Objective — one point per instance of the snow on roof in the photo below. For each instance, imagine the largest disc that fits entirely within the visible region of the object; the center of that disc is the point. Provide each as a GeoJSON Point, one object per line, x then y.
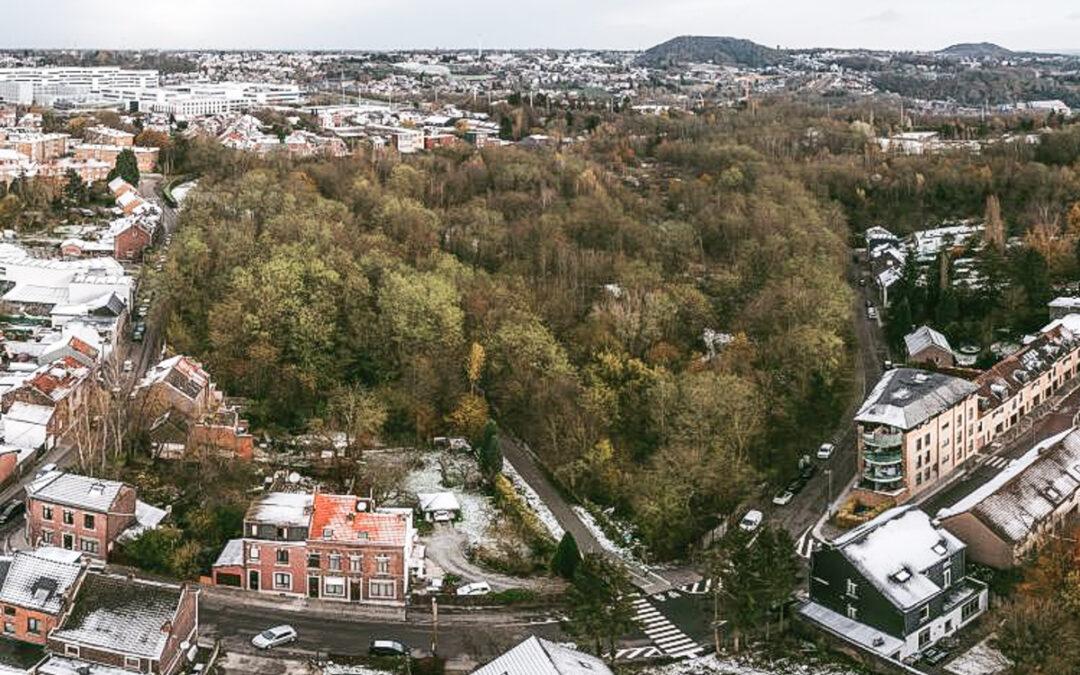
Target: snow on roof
{"type": "Point", "coordinates": [906, 397]}
{"type": "Point", "coordinates": [894, 550]}
{"type": "Point", "coordinates": [537, 656]}
{"type": "Point", "coordinates": [37, 582]}
{"type": "Point", "coordinates": [1070, 322]}
{"type": "Point", "coordinates": [71, 489]}
{"type": "Point", "coordinates": [924, 337]}
{"type": "Point", "coordinates": [889, 277]}
{"type": "Point", "coordinates": [865, 636]}
{"type": "Point", "coordinates": [438, 501]}
{"type": "Point", "coordinates": [30, 413]}
{"type": "Point", "coordinates": [147, 517]}
{"type": "Point", "coordinates": [1066, 302]}
{"type": "Point", "coordinates": [63, 665]}
{"type": "Point", "coordinates": [1017, 499]}
{"type": "Point", "coordinates": [120, 615]}
{"type": "Point", "coordinates": [285, 509]}
{"type": "Point", "coordinates": [37, 295]}
{"type": "Point", "coordinates": [232, 554]}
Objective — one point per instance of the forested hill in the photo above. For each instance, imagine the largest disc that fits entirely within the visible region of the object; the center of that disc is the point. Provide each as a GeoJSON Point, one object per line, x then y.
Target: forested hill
{"type": "Point", "coordinates": [710, 49]}
{"type": "Point", "coordinates": [976, 50]}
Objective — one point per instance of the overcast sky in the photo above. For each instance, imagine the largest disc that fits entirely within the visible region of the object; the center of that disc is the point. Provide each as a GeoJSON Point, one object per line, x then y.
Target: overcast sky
{"type": "Point", "coordinates": [629, 24]}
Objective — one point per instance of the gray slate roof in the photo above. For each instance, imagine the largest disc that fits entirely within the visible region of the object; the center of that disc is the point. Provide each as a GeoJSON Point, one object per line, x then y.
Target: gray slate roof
{"type": "Point", "coordinates": [121, 615]}
{"type": "Point", "coordinates": [70, 489]}
{"type": "Point", "coordinates": [537, 656]}
{"type": "Point", "coordinates": [925, 337]}
{"type": "Point", "coordinates": [35, 580]}
{"type": "Point", "coordinates": [906, 397]}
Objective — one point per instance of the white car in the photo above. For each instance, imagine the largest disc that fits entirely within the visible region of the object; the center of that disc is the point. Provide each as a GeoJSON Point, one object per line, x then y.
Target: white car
{"type": "Point", "coordinates": [825, 451]}
{"type": "Point", "coordinates": [475, 588]}
{"type": "Point", "coordinates": [274, 637]}
{"type": "Point", "coordinates": [783, 497]}
{"type": "Point", "coordinates": [45, 468]}
{"type": "Point", "coordinates": [751, 521]}
{"type": "Point", "coordinates": [129, 366]}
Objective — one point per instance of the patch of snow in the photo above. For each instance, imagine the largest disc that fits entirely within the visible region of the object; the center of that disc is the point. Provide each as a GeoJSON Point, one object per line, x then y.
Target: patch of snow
{"type": "Point", "coordinates": [982, 659]}
{"type": "Point", "coordinates": [601, 537]}
{"type": "Point", "coordinates": [342, 669]}
{"type": "Point", "coordinates": [747, 665]}
{"type": "Point", "coordinates": [543, 513]}
{"type": "Point", "coordinates": [477, 510]}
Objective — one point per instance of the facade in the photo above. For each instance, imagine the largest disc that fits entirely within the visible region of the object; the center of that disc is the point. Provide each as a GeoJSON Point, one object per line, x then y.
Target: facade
{"type": "Point", "coordinates": [37, 147]}
{"type": "Point", "coordinates": [1036, 496]}
{"type": "Point", "coordinates": [895, 585]}
{"type": "Point", "coordinates": [51, 398]}
{"type": "Point", "coordinates": [927, 346]}
{"type": "Point", "coordinates": [146, 158]}
{"type": "Point", "coordinates": [914, 429]}
{"type": "Point", "coordinates": [78, 513]}
{"type": "Point", "coordinates": [335, 547]}
{"type": "Point", "coordinates": [1063, 306]}
{"type": "Point", "coordinates": [128, 624]}
{"type": "Point", "coordinates": [36, 586]}
{"type": "Point", "coordinates": [101, 135]}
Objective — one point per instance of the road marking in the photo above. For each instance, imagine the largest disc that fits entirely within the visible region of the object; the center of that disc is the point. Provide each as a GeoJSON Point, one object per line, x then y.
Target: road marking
{"type": "Point", "coordinates": [668, 637]}
{"type": "Point", "coordinates": [698, 588]}
{"type": "Point", "coordinates": [632, 653]}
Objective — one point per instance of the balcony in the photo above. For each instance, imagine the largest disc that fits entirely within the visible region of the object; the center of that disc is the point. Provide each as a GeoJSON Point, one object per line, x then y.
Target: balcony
{"type": "Point", "coordinates": [882, 439]}
{"type": "Point", "coordinates": [883, 457]}
{"type": "Point", "coordinates": [883, 475]}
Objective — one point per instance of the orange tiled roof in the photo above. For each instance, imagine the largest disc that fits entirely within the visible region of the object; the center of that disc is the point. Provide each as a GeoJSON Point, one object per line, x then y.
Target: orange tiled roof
{"type": "Point", "coordinates": [335, 518]}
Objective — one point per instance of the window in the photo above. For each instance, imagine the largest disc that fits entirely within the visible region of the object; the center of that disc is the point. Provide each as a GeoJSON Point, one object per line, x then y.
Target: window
{"type": "Point", "coordinates": [254, 530]}
{"type": "Point", "coordinates": [10, 611]}
{"type": "Point", "coordinates": [356, 563]}
{"type": "Point", "coordinates": [924, 638]}
{"type": "Point", "coordinates": [88, 521]}
{"type": "Point", "coordinates": [283, 556]}
{"type": "Point", "coordinates": [969, 610]}
{"type": "Point", "coordinates": [33, 626]}
{"type": "Point", "coordinates": [924, 613]}
{"type": "Point", "coordinates": [69, 517]}
{"type": "Point", "coordinates": [382, 564]}
{"type": "Point", "coordinates": [132, 663]}
{"type": "Point", "coordinates": [46, 513]}
{"type": "Point", "coordinates": [852, 589]}
{"type": "Point", "coordinates": [335, 562]}
{"type": "Point", "coordinates": [283, 581]}
{"type": "Point", "coordinates": [253, 552]}
{"type": "Point", "coordinates": [852, 613]}
{"type": "Point", "coordinates": [334, 587]}
{"type": "Point", "coordinates": [9, 627]}
{"type": "Point", "coordinates": [46, 536]}
{"type": "Point", "coordinates": [948, 576]}
{"type": "Point", "coordinates": [71, 650]}
{"type": "Point", "coordinates": [381, 589]}
{"type": "Point", "coordinates": [314, 560]}
{"type": "Point", "coordinates": [283, 533]}
{"type": "Point", "coordinates": [88, 545]}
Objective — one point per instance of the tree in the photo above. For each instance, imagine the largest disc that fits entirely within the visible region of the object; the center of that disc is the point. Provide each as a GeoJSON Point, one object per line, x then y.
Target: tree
{"type": "Point", "coordinates": [127, 167]}
{"type": "Point", "coordinates": [599, 599]}
{"type": "Point", "coordinates": [490, 454]}
{"type": "Point", "coordinates": [74, 187]}
{"type": "Point", "coordinates": [567, 557]}
{"type": "Point", "coordinates": [994, 230]}
{"type": "Point", "coordinates": [359, 414]}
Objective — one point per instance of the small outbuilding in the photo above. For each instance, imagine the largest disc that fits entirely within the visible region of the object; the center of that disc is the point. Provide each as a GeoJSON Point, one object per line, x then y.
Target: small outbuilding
{"type": "Point", "coordinates": [439, 507]}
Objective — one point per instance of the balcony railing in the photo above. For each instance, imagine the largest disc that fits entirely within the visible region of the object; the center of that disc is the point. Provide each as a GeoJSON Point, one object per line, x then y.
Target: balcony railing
{"type": "Point", "coordinates": [883, 457]}
{"type": "Point", "coordinates": [877, 475]}
{"type": "Point", "coordinates": [881, 439]}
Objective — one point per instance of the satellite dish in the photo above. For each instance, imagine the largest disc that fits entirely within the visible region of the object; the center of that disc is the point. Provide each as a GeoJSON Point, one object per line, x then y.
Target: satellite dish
{"type": "Point", "coordinates": [294, 478]}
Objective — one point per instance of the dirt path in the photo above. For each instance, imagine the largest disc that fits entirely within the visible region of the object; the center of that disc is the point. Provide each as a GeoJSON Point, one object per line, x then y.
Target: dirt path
{"type": "Point", "coordinates": [446, 548]}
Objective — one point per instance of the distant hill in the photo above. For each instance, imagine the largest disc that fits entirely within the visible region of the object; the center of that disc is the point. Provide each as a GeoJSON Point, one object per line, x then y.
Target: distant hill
{"type": "Point", "coordinates": [710, 49]}
{"type": "Point", "coordinates": [977, 50]}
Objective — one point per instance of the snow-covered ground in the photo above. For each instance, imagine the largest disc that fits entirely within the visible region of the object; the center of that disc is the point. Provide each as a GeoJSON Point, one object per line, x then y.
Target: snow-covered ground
{"type": "Point", "coordinates": [728, 665]}
{"type": "Point", "coordinates": [477, 510]}
{"type": "Point", "coordinates": [982, 659]}
{"type": "Point", "coordinates": [547, 518]}
{"type": "Point", "coordinates": [621, 551]}
{"type": "Point", "coordinates": [341, 669]}
{"type": "Point", "coordinates": [180, 192]}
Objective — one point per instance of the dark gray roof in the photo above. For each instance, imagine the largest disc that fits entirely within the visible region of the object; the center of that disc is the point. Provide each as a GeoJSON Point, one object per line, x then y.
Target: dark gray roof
{"type": "Point", "coordinates": [906, 397]}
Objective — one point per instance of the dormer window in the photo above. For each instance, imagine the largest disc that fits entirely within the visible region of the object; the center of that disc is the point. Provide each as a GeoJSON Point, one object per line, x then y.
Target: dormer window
{"type": "Point", "coordinates": [901, 575]}
{"type": "Point", "coordinates": [852, 589]}
{"type": "Point", "coordinates": [327, 533]}
{"type": "Point", "coordinates": [940, 548]}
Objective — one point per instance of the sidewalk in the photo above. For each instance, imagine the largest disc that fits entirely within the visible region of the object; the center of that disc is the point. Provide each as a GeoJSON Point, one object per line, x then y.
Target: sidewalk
{"type": "Point", "coordinates": [224, 598]}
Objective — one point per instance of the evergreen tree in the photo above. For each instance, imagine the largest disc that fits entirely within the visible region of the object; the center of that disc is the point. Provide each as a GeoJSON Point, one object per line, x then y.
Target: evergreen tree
{"type": "Point", "coordinates": [567, 557]}
{"type": "Point", "coordinates": [600, 609]}
{"type": "Point", "coordinates": [127, 167]}
{"type": "Point", "coordinates": [490, 455]}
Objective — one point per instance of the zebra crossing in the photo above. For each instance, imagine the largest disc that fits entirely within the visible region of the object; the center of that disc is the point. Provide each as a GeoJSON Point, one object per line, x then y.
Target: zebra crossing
{"type": "Point", "coordinates": [997, 462]}
{"type": "Point", "coordinates": [697, 588]}
{"type": "Point", "coordinates": [664, 634]}
{"type": "Point", "coordinates": [632, 653]}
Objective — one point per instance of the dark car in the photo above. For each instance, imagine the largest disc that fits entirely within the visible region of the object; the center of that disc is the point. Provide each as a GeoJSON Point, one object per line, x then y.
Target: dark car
{"type": "Point", "coordinates": [388, 648]}
{"type": "Point", "coordinates": [934, 656]}
{"type": "Point", "coordinates": [11, 510]}
{"type": "Point", "coordinates": [796, 486]}
{"type": "Point", "coordinates": [807, 472]}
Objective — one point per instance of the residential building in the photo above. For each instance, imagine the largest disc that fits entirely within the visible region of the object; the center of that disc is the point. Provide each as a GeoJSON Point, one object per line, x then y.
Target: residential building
{"type": "Point", "coordinates": [38, 147]}
{"type": "Point", "coordinates": [1063, 306]}
{"type": "Point", "coordinates": [36, 586]}
{"type": "Point", "coordinates": [146, 158]}
{"type": "Point", "coordinates": [1011, 514]}
{"type": "Point", "coordinates": [79, 513]}
{"type": "Point", "coordinates": [335, 547]}
{"type": "Point", "coordinates": [927, 346]}
{"type": "Point", "coordinates": [537, 656]}
{"type": "Point", "coordinates": [51, 399]}
{"type": "Point", "coordinates": [893, 586]}
{"type": "Point", "coordinates": [126, 624]}
{"type": "Point", "coordinates": [102, 135]}
{"type": "Point", "coordinates": [914, 429]}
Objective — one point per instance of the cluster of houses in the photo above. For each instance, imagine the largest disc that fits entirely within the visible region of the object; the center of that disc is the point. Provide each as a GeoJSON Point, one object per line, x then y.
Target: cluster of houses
{"type": "Point", "coordinates": [124, 238]}
{"type": "Point", "coordinates": [241, 131]}
{"type": "Point", "coordinates": [28, 152]}
{"type": "Point", "coordinates": [887, 255]}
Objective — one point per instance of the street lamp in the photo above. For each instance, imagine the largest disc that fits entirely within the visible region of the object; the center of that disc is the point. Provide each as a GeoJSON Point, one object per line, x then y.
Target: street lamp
{"type": "Point", "coordinates": [828, 502]}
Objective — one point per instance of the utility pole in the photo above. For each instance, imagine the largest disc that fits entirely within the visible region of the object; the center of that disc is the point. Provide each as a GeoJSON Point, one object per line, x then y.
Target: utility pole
{"type": "Point", "coordinates": [434, 625]}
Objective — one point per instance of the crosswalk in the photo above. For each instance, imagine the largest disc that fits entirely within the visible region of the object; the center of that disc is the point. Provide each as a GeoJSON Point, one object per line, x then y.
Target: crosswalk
{"type": "Point", "coordinates": [697, 588]}
{"type": "Point", "coordinates": [632, 653]}
{"type": "Point", "coordinates": [806, 543]}
{"type": "Point", "coordinates": [664, 634]}
{"type": "Point", "coordinates": [998, 462]}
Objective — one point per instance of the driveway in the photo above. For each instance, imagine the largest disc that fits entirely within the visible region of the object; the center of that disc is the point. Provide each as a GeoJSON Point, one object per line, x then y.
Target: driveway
{"type": "Point", "coordinates": [446, 550]}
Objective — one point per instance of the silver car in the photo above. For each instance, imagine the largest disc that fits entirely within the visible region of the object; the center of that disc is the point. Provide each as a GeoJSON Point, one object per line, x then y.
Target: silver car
{"type": "Point", "coordinates": [274, 637]}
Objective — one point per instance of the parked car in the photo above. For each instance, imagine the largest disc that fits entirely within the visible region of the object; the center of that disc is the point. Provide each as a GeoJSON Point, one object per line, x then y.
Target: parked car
{"type": "Point", "coordinates": [871, 313]}
{"type": "Point", "coordinates": [475, 588]}
{"type": "Point", "coordinates": [825, 451]}
{"type": "Point", "coordinates": [128, 366]}
{"type": "Point", "coordinates": [11, 510]}
{"type": "Point", "coordinates": [274, 637]}
{"type": "Point", "coordinates": [45, 468]}
{"type": "Point", "coordinates": [934, 655]}
{"type": "Point", "coordinates": [807, 472]}
{"type": "Point", "coordinates": [783, 497]}
{"type": "Point", "coordinates": [388, 648]}
{"type": "Point", "coordinates": [751, 521]}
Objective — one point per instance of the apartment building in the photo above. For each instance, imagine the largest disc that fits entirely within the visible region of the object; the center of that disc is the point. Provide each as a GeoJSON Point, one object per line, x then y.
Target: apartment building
{"type": "Point", "coordinates": [102, 135]}
{"type": "Point", "coordinates": [146, 158]}
{"type": "Point", "coordinates": [914, 428]}
{"type": "Point", "coordinates": [43, 85]}
{"type": "Point", "coordinates": [79, 513]}
{"type": "Point", "coordinates": [336, 547]}
{"type": "Point", "coordinates": [37, 147]}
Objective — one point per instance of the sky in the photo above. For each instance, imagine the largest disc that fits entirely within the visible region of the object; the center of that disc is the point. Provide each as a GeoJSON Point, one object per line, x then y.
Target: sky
{"type": "Point", "coordinates": [620, 24]}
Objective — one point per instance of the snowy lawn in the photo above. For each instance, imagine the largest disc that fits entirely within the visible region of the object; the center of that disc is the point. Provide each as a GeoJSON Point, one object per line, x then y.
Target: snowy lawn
{"type": "Point", "coordinates": [477, 510]}
{"type": "Point", "coordinates": [730, 665]}
{"type": "Point", "coordinates": [623, 552]}
{"type": "Point", "coordinates": [982, 659]}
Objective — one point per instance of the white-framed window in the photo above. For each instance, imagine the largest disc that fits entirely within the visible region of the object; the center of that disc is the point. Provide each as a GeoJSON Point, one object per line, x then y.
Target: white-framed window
{"type": "Point", "coordinates": [282, 556]}
{"type": "Point", "coordinates": [254, 530]}
{"type": "Point", "coordinates": [88, 545]}
{"type": "Point", "coordinates": [382, 590]}
{"type": "Point", "coordinates": [33, 626]}
{"type": "Point", "coordinates": [88, 521]}
{"type": "Point", "coordinates": [924, 613]}
{"type": "Point", "coordinates": [46, 512]}
{"type": "Point", "coordinates": [382, 564]}
{"type": "Point", "coordinates": [852, 589]}
{"type": "Point", "coordinates": [46, 536]}
{"type": "Point", "coordinates": [852, 613]}
{"type": "Point", "coordinates": [282, 581]}
{"type": "Point", "coordinates": [335, 562]}
{"type": "Point", "coordinates": [356, 563]}
{"type": "Point", "coordinates": [948, 575]}
{"type": "Point", "coordinates": [133, 663]}
{"type": "Point", "coordinates": [253, 552]}
{"type": "Point", "coordinates": [69, 517]}
{"type": "Point", "coordinates": [333, 587]}
{"type": "Point", "coordinates": [71, 650]}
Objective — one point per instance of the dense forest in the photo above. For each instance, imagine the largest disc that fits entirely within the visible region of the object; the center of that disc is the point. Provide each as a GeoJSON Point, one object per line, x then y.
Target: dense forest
{"type": "Point", "coordinates": [660, 310]}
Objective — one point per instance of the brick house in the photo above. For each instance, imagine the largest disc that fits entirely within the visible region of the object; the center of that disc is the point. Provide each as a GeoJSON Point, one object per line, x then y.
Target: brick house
{"type": "Point", "coordinates": [79, 513]}
{"type": "Point", "coordinates": [136, 625]}
{"type": "Point", "coordinates": [927, 346]}
{"type": "Point", "coordinates": [36, 586]}
{"type": "Point", "coordinates": [51, 399]}
{"type": "Point", "coordinates": [103, 135]}
{"type": "Point", "coordinates": [131, 241]}
{"type": "Point", "coordinates": [335, 547]}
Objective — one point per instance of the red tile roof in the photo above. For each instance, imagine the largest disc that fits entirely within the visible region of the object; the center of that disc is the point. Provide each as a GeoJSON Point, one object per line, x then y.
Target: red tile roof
{"type": "Point", "coordinates": [335, 518]}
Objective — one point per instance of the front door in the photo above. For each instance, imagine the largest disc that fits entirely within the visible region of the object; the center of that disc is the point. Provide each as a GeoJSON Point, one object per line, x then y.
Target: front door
{"type": "Point", "coordinates": [313, 586]}
{"type": "Point", "coordinates": [253, 580]}
{"type": "Point", "coordinates": [356, 590]}
{"type": "Point", "coordinates": [69, 541]}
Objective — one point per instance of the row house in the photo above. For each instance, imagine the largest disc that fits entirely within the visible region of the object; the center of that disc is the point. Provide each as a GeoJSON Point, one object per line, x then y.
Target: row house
{"type": "Point", "coordinates": [1036, 497]}
{"type": "Point", "coordinates": [51, 398]}
{"type": "Point", "coordinates": [894, 586]}
{"type": "Point", "coordinates": [103, 135]}
{"type": "Point", "coordinates": [79, 513]}
{"type": "Point", "coordinates": [127, 625]}
{"type": "Point", "coordinates": [37, 147]}
{"type": "Point", "coordinates": [36, 587]}
{"type": "Point", "coordinates": [336, 547]}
